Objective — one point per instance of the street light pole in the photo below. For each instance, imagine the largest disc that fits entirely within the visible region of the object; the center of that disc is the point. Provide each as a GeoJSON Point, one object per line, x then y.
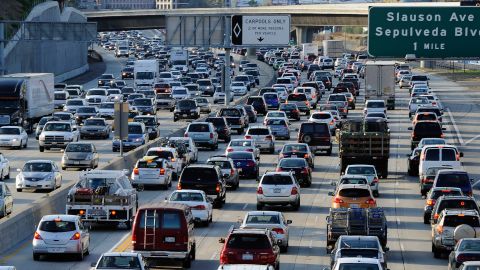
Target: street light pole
{"type": "Point", "coordinates": [226, 44]}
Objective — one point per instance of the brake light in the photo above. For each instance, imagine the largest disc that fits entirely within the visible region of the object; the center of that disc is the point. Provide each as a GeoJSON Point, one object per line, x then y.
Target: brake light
{"type": "Point", "coordinates": [442, 135]}
{"type": "Point", "coordinates": [248, 137]}
{"type": "Point", "coordinates": [229, 149]}
{"type": "Point", "coordinates": [431, 202]}
{"type": "Point", "coordinates": [458, 157]}
{"type": "Point", "coordinates": [76, 236]}
{"type": "Point", "coordinates": [305, 170]}
{"type": "Point", "coordinates": [413, 134]}
{"type": "Point", "coordinates": [134, 235]}
{"type": "Point", "coordinates": [217, 189]}
{"type": "Point", "coordinates": [375, 180]}
{"type": "Point", "coordinates": [250, 163]}
{"type": "Point", "coordinates": [179, 186]}
{"type": "Point", "coordinates": [435, 216]}
{"type": "Point", "coordinates": [278, 230]}
{"type": "Point", "coordinates": [162, 171]}
{"type": "Point", "coordinates": [249, 150]}
{"type": "Point", "coordinates": [232, 171]}
{"type": "Point", "coordinates": [172, 159]}
{"type": "Point", "coordinates": [259, 190]}
{"type": "Point", "coordinates": [331, 122]}
{"type": "Point", "coordinates": [306, 156]}
{"type": "Point", "coordinates": [279, 169]}
{"type": "Point", "coordinates": [269, 137]}
{"type": "Point", "coordinates": [370, 201]}
{"type": "Point", "coordinates": [211, 135]}
{"type": "Point", "coordinates": [135, 171]}
{"type": "Point", "coordinates": [37, 236]}
{"type": "Point", "coordinates": [186, 134]}
{"type": "Point", "coordinates": [440, 229]}
{"type": "Point", "coordinates": [338, 200]}
{"type": "Point", "coordinates": [81, 212]}
{"type": "Point", "coordinates": [294, 191]}
{"type": "Point", "coordinates": [199, 207]}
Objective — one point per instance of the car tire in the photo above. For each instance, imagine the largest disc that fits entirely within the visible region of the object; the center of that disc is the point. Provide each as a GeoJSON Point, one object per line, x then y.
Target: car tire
{"type": "Point", "coordinates": [41, 148]}
{"type": "Point", "coordinates": [272, 150]}
{"type": "Point", "coordinates": [240, 131]}
{"type": "Point", "coordinates": [329, 152]}
{"type": "Point", "coordinates": [259, 206]}
{"type": "Point", "coordinates": [187, 262]}
{"type": "Point", "coordinates": [284, 249]}
{"type": "Point", "coordinates": [375, 193]}
{"type": "Point", "coordinates": [36, 257]}
{"type": "Point", "coordinates": [296, 206]}
{"type": "Point", "coordinates": [436, 253]}
{"type": "Point", "coordinates": [19, 189]}
{"type": "Point", "coordinates": [20, 145]}
{"type": "Point", "coordinates": [80, 256]}
{"type": "Point", "coordinates": [426, 219]}
{"type": "Point", "coordinates": [228, 139]}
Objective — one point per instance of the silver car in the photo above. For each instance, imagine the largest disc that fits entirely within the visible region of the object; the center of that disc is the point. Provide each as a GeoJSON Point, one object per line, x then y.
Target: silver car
{"type": "Point", "coordinates": [60, 234]}
{"type": "Point", "coordinates": [120, 260]}
{"type": "Point", "coordinates": [203, 134]}
{"type": "Point", "coordinates": [80, 155]}
{"type": "Point", "coordinates": [263, 138]}
{"type": "Point", "coordinates": [243, 145]}
{"type": "Point", "coordinates": [278, 188]}
{"type": "Point", "coordinates": [38, 174]}
{"type": "Point", "coordinates": [272, 220]}
{"type": "Point", "coordinates": [6, 200]}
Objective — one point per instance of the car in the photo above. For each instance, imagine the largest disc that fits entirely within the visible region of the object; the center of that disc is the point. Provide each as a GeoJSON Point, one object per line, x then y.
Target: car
{"type": "Point", "coordinates": [96, 96]}
{"type": "Point", "coordinates": [258, 103]}
{"type": "Point", "coordinates": [127, 73]}
{"type": "Point", "coordinates": [186, 109]}
{"type": "Point", "coordinates": [350, 179]}
{"type": "Point", "coordinates": [375, 105]}
{"type": "Point", "coordinates": [238, 248]}
{"type": "Point", "coordinates": [152, 171]}
{"type": "Point", "coordinates": [198, 201]}
{"type": "Point", "coordinates": [278, 188]}
{"type": "Point", "coordinates": [300, 150]}
{"type": "Point", "coordinates": [272, 220]}
{"type": "Point", "coordinates": [272, 100]}
{"type": "Point", "coordinates": [165, 101]}
{"type": "Point", "coordinates": [41, 124]}
{"type": "Point", "coordinates": [202, 134]}
{"type": "Point", "coordinates": [57, 134]}
{"type": "Point", "coordinates": [263, 138]}
{"type": "Point", "coordinates": [206, 177]}
{"type": "Point", "coordinates": [203, 104]}
{"type": "Point", "coordinates": [413, 160]}
{"type": "Point", "coordinates": [466, 249]}
{"type": "Point", "coordinates": [303, 172]}
{"type": "Point", "coordinates": [291, 110]}
{"type": "Point", "coordinates": [251, 113]}
{"type": "Point", "coordinates": [425, 129]}
{"type": "Point", "coordinates": [352, 246]}
{"type": "Point", "coordinates": [317, 136]}
{"type": "Point", "coordinates": [368, 171]}
{"type": "Point", "coordinates": [353, 196]}
{"type": "Point", "coordinates": [190, 153]}
{"type": "Point", "coordinates": [443, 232]}
{"type": "Point", "coordinates": [171, 155]}
{"type": "Point", "coordinates": [452, 202]}
{"type": "Point", "coordinates": [454, 178]}
{"type": "Point", "coordinates": [469, 265]}
{"type": "Point", "coordinates": [243, 145]}
{"type": "Point", "coordinates": [324, 117]}
{"type": "Point", "coordinates": [172, 239]}
{"type": "Point", "coordinates": [221, 127]}
{"type": "Point", "coordinates": [80, 155]}
{"type": "Point", "coordinates": [63, 234]}
{"type": "Point", "coordinates": [443, 155]}
{"type": "Point", "coordinates": [6, 200]}
{"type": "Point", "coordinates": [311, 94]}
{"type": "Point", "coordinates": [342, 103]}
{"type": "Point", "coordinates": [415, 103]}
{"type": "Point", "coordinates": [106, 80]}
{"type": "Point", "coordinates": [13, 136]}
{"type": "Point", "coordinates": [360, 263]}
{"type": "Point", "coordinates": [279, 128]}
{"type": "Point", "coordinates": [433, 195]}
{"type": "Point", "coordinates": [239, 267]}
{"type": "Point", "coordinates": [137, 136]}
{"type": "Point", "coordinates": [206, 87]}
{"type": "Point", "coordinates": [120, 260]}
{"type": "Point", "coordinates": [246, 163]}
{"type": "Point", "coordinates": [230, 173]}
{"type": "Point", "coordinates": [95, 128]}
{"type": "Point", "coordinates": [152, 124]}
{"type": "Point", "coordinates": [301, 101]}
{"type": "Point", "coordinates": [85, 113]}
{"type": "Point", "coordinates": [431, 141]}
{"type": "Point", "coordinates": [275, 114]}
{"type": "Point", "coordinates": [145, 105]}
{"type": "Point", "coordinates": [179, 93]}
{"type": "Point", "coordinates": [236, 118]}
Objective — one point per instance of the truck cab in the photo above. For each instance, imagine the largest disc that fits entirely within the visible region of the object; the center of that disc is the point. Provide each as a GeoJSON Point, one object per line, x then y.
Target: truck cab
{"type": "Point", "coordinates": [57, 134]}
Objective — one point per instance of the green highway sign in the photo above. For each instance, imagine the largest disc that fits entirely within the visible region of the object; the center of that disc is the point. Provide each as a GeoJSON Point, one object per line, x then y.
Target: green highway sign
{"type": "Point", "coordinates": [426, 32]}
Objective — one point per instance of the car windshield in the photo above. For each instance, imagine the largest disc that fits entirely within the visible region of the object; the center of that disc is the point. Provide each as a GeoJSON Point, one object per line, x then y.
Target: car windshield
{"type": "Point", "coordinates": [200, 175]}
{"type": "Point", "coordinates": [60, 96]}
{"type": "Point", "coordinates": [78, 147]}
{"type": "Point", "coordinates": [204, 82]}
{"type": "Point", "coordinates": [135, 96]}
{"type": "Point", "coordinates": [295, 148]}
{"type": "Point", "coordinates": [107, 106]}
{"type": "Point", "coordinates": [297, 97]}
{"type": "Point", "coordinates": [456, 220]}
{"type": "Point", "coordinates": [277, 179]}
{"type": "Point", "coordinates": [9, 131]}
{"type": "Point", "coordinates": [230, 112]}
{"type": "Point", "coordinates": [354, 192]}
{"type": "Point", "coordinates": [164, 96]}
{"type": "Point", "coordinates": [358, 243]}
{"type": "Point", "coordinates": [358, 266]}
{"type": "Point", "coordinates": [94, 122]}
{"type": "Point", "coordinates": [57, 226]}
{"type": "Point", "coordinates": [238, 84]}
{"type": "Point", "coordinates": [198, 128]}
{"type": "Point", "coordinates": [220, 163]}
{"type": "Point", "coordinates": [367, 170]}
{"type": "Point", "coordinates": [86, 110]}
{"type": "Point", "coordinates": [202, 100]}
{"type": "Point", "coordinates": [240, 155]}
{"type": "Point", "coordinates": [97, 93]}
{"type": "Point", "coordinates": [134, 129]}
{"type": "Point", "coordinates": [57, 127]}
{"type": "Point", "coordinates": [186, 197]}
{"type": "Point", "coordinates": [118, 262]}
{"type": "Point", "coordinates": [263, 219]}
{"type": "Point", "coordinates": [248, 241]}
{"type": "Point", "coordinates": [469, 245]}
{"type": "Point", "coordinates": [114, 92]}
{"type": "Point", "coordinates": [292, 163]}
{"type": "Point", "coordinates": [142, 102]}
{"type": "Point", "coordinates": [145, 75]}
{"type": "Point", "coordinates": [74, 102]}
{"type": "Point", "coordinates": [321, 116]}
{"type": "Point", "coordinates": [37, 167]}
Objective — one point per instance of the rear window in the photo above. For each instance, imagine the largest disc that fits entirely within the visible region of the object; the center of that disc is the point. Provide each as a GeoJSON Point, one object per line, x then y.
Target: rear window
{"type": "Point", "coordinates": [201, 174]}
{"type": "Point", "coordinates": [297, 97]}
{"type": "Point", "coordinates": [375, 105]}
{"type": "Point", "coordinates": [432, 155]}
{"type": "Point", "coordinates": [354, 192]}
{"type": "Point", "coordinates": [248, 241]}
{"type": "Point", "coordinates": [428, 128]}
{"type": "Point", "coordinates": [295, 148]}
{"type": "Point", "coordinates": [419, 78]}
{"type": "Point", "coordinates": [447, 192]}
{"type": "Point", "coordinates": [238, 155]}
{"type": "Point", "coordinates": [292, 163]}
{"type": "Point", "coordinates": [361, 170]}
{"type": "Point", "coordinates": [258, 131]}
{"type": "Point", "coordinates": [277, 179]}
{"type": "Point", "coordinates": [186, 197]}
{"type": "Point", "coordinates": [459, 180]}
{"type": "Point", "coordinates": [270, 96]}
{"type": "Point", "coordinates": [314, 128]}
{"type": "Point", "coordinates": [57, 226]}
{"type": "Point", "coordinates": [276, 122]}
{"type": "Point", "coordinates": [142, 164]}
{"type": "Point", "coordinates": [198, 128]}
{"type": "Point", "coordinates": [321, 116]}
{"type": "Point", "coordinates": [449, 154]}
{"type": "Point", "coordinates": [221, 164]}
{"type": "Point", "coordinates": [455, 220]}
{"type": "Point", "coordinates": [457, 204]}
{"type": "Point", "coordinates": [352, 180]}
{"type": "Point", "coordinates": [263, 219]}
{"type": "Point", "coordinates": [358, 266]}
{"type": "Point", "coordinates": [160, 154]}
{"type": "Point", "coordinates": [359, 252]}
{"type": "Point", "coordinates": [337, 98]}
{"type": "Point", "coordinates": [428, 116]}
{"type": "Point", "coordinates": [169, 219]}
{"type": "Point", "coordinates": [230, 112]}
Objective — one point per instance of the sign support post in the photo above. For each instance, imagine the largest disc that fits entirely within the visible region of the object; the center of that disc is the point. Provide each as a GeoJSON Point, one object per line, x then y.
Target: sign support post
{"type": "Point", "coordinates": [121, 123]}
{"type": "Point", "coordinates": [227, 47]}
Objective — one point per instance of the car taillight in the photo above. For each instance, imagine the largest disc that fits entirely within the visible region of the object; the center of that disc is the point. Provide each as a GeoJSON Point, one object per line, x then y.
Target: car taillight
{"type": "Point", "coordinates": [413, 134]}
{"type": "Point", "coordinates": [458, 157]}
{"type": "Point", "coordinates": [442, 135]}
{"type": "Point", "coordinates": [294, 191]}
{"type": "Point", "coordinates": [179, 186]}
{"type": "Point", "coordinates": [435, 216]}
{"type": "Point", "coordinates": [331, 122]}
{"type": "Point", "coordinates": [217, 188]}
{"type": "Point", "coordinates": [223, 258]}
{"type": "Point", "coordinates": [370, 201]}
{"type": "Point", "coordinates": [229, 149]}
{"type": "Point", "coordinates": [250, 163]}
{"type": "Point", "coordinates": [338, 200]}
{"type": "Point", "coordinates": [305, 170]}
{"type": "Point", "coordinates": [431, 202]}
{"type": "Point", "coordinates": [162, 171]}
{"type": "Point", "coordinates": [211, 135]}
{"type": "Point", "coordinates": [269, 137]}
{"type": "Point", "coordinates": [186, 134]}
{"type": "Point", "coordinates": [279, 169]}
{"type": "Point", "coordinates": [375, 180]}
{"type": "Point", "coordinates": [249, 150]}
{"type": "Point", "coordinates": [425, 180]}
{"type": "Point", "coordinates": [305, 156]}
{"type": "Point", "coordinates": [440, 229]}
{"type": "Point", "coordinates": [76, 236]}
{"type": "Point", "coordinates": [248, 137]}
{"type": "Point", "coordinates": [259, 190]}
{"type": "Point", "coordinates": [232, 171]}
{"type": "Point", "coordinates": [199, 207]}
{"type": "Point", "coordinates": [135, 171]}
{"type": "Point", "coordinates": [278, 230]}
{"type": "Point", "coordinates": [37, 236]}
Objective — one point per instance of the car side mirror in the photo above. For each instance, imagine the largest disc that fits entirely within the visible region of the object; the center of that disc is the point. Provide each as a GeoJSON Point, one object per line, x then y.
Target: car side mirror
{"type": "Point", "coordinates": [410, 128]}
{"type": "Point", "coordinates": [461, 154]}
{"type": "Point", "coordinates": [444, 128]}
{"type": "Point", "coordinates": [331, 193]}
{"type": "Point", "coordinates": [289, 221]}
{"type": "Point", "coordinates": [221, 240]}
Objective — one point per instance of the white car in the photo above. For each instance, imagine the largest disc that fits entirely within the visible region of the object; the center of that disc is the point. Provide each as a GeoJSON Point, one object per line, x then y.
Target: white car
{"type": "Point", "coordinates": [180, 93]}
{"type": "Point", "coordinates": [246, 267]}
{"type": "Point", "coordinates": [219, 96]}
{"type": "Point", "coordinates": [38, 175]}
{"type": "Point", "coordinates": [238, 88]}
{"type": "Point", "coordinates": [368, 171]}
{"type": "Point", "coordinates": [124, 260]}
{"type": "Point", "coordinates": [310, 93]}
{"type": "Point", "coordinates": [324, 117]}
{"type": "Point", "coordinates": [171, 155]}
{"type": "Point", "coordinates": [434, 101]}
{"type": "Point", "coordinates": [61, 234]}
{"type": "Point", "coordinates": [278, 188]}
{"type": "Point", "coordinates": [4, 167]}
{"type": "Point", "coordinates": [73, 104]}
{"type": "Point", "coordinates": [106, 110]}
{"type": "Point", "coordinates": [358, 263]}
{"type": "Point", "coordinates": [375, 105]}
{"type": "Point", "coordinates": [13, 136]}
{"type": "Point", "coordinates": [282, 93]}
{"type": "Point", "coordinates": [199, 202]}
{"type": "Point", "coordinates": [152, 171]}
{"type": "Point", "coordinates": [243, 145]}
{"type": "Point", "coordinates": [96, 96]}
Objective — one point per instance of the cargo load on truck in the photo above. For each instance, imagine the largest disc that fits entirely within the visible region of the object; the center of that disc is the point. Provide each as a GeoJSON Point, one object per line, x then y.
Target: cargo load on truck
{"type": "Point", "coordinates": [380, 81]}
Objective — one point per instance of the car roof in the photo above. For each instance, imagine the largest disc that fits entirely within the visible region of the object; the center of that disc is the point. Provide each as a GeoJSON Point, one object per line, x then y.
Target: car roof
{"type": "Point", "coordinates": [353, 176]}
{"type": "Point", "coordinates": [126, 254]}
{"type": "Point", "coordinates": [357, 186]}
{"type": "Point", "coordinates": [61, 217]}
{"type": "Point", "coordinates": [189, 191]}
{"type": "Point", "coordinates": [263, 213]}
{"type": "Point", "coordinates": [357, 260]}
{"type": "Point", "coordinates": [166, 205]}
{"type": "Point", "coordinates": [456, 198]}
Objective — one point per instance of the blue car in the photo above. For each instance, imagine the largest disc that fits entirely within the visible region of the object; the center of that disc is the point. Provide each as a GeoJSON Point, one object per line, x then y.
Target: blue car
{"type": "Point", "coordinates": [279, 128]}
{"type": "Point", "coordinates": [245, 163]}
{"type": "Point", "coordinates": [272, 100]}
{"type": "Point", "coordinates": [137, 136]}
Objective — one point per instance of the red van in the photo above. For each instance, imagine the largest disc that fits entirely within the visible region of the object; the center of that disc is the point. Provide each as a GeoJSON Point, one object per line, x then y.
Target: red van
{"type": "Point", "coordinates": [164, 231]}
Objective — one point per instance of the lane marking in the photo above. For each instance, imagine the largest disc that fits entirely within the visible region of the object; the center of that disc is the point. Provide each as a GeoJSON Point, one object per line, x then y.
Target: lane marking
{"type": "Point", "coordinates": [123, 244]}
{"type": "Point", "coordinates": [397, 201]}
{"type": "Point", "coordinates": [244, 206]}
{"type": "Point", "coordinates": [311, 244]}
{"type": "Point", "coordinates": [398, 221]}
{"type": "Point", "coordinates": [454, 124]}
{"type": "Point", "coordinates": [214, 255]}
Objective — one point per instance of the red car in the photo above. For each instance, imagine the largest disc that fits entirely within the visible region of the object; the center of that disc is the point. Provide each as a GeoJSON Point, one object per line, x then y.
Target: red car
{"type": "Point", "coordinates": [250, 246]}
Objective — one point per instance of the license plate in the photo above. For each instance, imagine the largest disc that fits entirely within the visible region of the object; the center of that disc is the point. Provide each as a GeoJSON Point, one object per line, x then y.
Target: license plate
{"type": "Point", "coordinates": [98, 212]}
{"type": "Point", "coordinates": [54, 143]}
{"type": "Point", "coordinates": [184, 115]}
{"type": "Point", "coordinates": [354, 205]}
{"type": "Point", "coordinates": [76, 162]}
{"type": "Point", "coordinates": [294, 156]}
{"type": "Point", "coordinates": [277, 190]}
{"type": "Point", "coordinates": [56, 250]}
{"type": "Point", "coordinates": [169, 239]}
{"type": "Point", "coordinates": [247, 257]}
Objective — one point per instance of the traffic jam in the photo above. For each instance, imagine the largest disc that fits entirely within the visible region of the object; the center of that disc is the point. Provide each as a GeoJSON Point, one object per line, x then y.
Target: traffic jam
{"type": "Point", "coordinates": [313, 106]}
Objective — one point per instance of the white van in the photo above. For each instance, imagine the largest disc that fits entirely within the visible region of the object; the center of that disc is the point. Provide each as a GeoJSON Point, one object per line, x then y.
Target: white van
{"type": "Point", "coordinates": [439, 156]}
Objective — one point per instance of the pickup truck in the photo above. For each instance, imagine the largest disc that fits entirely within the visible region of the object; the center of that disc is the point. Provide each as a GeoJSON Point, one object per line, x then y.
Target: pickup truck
{"type": "Point", "coordinates": [57, 134]}
{"type": "Point", "coordinates": [235, 119]}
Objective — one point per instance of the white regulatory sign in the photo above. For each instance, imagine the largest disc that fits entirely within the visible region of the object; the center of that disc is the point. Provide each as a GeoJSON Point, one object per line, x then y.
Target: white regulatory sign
{"type": "Point", "coordinates": [261, 30]}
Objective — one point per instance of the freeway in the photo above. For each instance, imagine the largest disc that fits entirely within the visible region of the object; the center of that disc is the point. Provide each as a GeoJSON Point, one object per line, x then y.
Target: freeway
{"type": "Point", "coordinates": [408, 238]}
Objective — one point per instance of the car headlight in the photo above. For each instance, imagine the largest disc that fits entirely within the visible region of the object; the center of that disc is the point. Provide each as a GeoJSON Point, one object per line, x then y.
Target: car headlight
{"type": "Point", "coordinates": [138, 139]}
{"type": "Point", "coordinates": [68, 137]}
{"type": "Point", "coordinates": [19, 178]}
{"type": "Point", "coordinates": [14, 139]}
{"type": "Point", "coordinates": [193, 110]}
{"type": "Point", "coordinates": [89, 157]}
{"type": "Point", "coordinates": [65, 157]}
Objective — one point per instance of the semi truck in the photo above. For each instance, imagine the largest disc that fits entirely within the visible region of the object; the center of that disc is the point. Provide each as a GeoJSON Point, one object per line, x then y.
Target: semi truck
{"type": "Point", "coordinates": [179, 60]}
{"type": "Point", "coordinates": [309, 51]}
{"type": "Point", "coordinates": [380, 82]}
{"type": "Point", "coordinates": [25, 98]}
{"type": "Point", "coordinates": [145, 73]}
{"type": "Point", "coordinates": [333, 48]}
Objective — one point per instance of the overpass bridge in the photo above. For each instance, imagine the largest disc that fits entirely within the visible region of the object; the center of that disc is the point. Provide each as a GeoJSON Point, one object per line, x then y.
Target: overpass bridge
{"type": "Point", "coordinates": [302, 16]}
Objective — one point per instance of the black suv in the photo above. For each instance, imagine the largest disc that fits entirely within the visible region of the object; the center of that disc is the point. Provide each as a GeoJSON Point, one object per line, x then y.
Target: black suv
{"type": "Point", "coordinates": [425, 129]}
{"type": "Point", "coordinates": [252, 115]}
{"type": "Point", "coordinates": [221, 126]}
{"type": "Point", "coordinates": [151, 123]}
{"type": "Point", "coordinates": [205, 177]}
{"type": "Point", "coordinates": [452, 202]}
{"type": "Point", "coordinates": [317, 136]}
{"type": "Point", "coordinates": [186, 109]}
{"type": "Point", "coordinates": [258, 103]}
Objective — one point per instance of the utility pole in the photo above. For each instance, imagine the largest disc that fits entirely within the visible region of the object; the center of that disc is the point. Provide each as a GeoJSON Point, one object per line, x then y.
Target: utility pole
{"type": "Point", "coordinates": [226, 45]}
{"type": "Point", "coordinates": [2, 45]}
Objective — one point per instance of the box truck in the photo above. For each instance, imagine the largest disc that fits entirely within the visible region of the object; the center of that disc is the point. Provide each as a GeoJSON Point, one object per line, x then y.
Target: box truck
{"type": "Point", "coordinates": [380, 81]}
{"type": "Point", "coordinates": [145, 73]}
{"type": "Point", "coordinates": [309, 50]}
{"type": "Point", "coordinates": [179, 60]}
{"type": "Point", "coordinates": [333, 48]}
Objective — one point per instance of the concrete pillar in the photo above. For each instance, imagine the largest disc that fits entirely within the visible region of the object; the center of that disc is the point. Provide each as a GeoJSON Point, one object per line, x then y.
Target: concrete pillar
{"type": "Point", "coordinates": [301, 35]}
{"type": "Point", "coordinates": [251, 52]}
